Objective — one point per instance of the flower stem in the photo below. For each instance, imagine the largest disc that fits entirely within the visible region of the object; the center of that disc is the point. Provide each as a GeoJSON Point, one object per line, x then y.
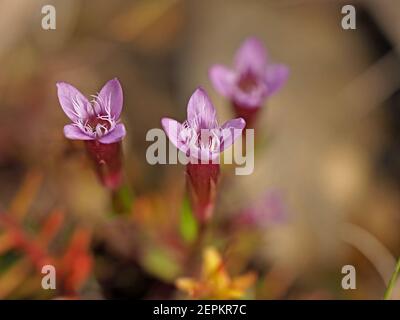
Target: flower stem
{"type": "Point", "coordinates": [122, 200]}
{"type": "Point", "coordinates": [196, 247]}
{"type": "Point", "coordinates": [392, 282]}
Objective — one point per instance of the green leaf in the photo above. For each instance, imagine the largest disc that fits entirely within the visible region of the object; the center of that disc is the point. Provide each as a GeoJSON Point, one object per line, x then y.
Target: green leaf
{"type": "Point", "coordinates": [188, 223]}
{"type": "Point", "coordinates": [161, 263]}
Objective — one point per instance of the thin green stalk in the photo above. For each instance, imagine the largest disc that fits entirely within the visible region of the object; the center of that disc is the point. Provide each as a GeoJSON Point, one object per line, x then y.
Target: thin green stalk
{"type": "Point", "coordinates": [392, 282]}
{"type": "Point", "coordinates": [122, 200]}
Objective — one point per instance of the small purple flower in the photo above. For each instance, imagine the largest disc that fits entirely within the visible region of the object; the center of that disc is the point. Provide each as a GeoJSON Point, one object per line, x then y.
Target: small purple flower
{"type": "Point", "coordinates": [97, 123]}
{"type": "Point", "coordinates": [201, 137]}
{"type": "Point", "coordinates": [93, 120]}
{"type": "Point", "coordinates": [251, 81]}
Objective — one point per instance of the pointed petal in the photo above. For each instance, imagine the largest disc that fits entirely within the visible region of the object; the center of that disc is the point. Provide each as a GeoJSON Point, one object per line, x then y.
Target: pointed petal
{"type": "Point", "coordinates": [173, 128]}
{"type": "Point", "coordinates": [223, 79]}
{"type": "Point", "coordinates": [276, 76]}
{"type": "Point", "coordinates": [111, 97]}
{"type": "Point", "coordinates": [232, 130]}
{"type": "Point", "coordinates": [237, 123]}
{"type": "Point", "coordinates": [200, 105]}
{"type": "Point", "coordinates": [251, 56]}
{"type": "Point", "coordinates": [72, 101]}
{"type": "Point", "coordinates": [115, 135]}
{"type": "Point", "coordinates": [74, 133]}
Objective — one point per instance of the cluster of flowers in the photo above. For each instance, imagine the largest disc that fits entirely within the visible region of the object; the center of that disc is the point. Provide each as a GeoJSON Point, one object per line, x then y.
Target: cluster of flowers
{"type": "Point", "coordinates": [247, 86]}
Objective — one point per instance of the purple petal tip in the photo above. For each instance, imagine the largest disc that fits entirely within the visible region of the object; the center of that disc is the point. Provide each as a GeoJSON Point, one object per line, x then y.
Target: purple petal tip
{"type": "Point", "coordinates": [242, 123]}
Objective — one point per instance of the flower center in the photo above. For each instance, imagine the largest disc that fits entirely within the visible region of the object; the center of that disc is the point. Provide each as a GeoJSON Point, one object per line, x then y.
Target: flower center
{"type": "Point", "coordinates": [201, 138]}
{"type": "Point", "coordinates": [247, 82]}
{"type": "Point", "coordinates": [97, 126]}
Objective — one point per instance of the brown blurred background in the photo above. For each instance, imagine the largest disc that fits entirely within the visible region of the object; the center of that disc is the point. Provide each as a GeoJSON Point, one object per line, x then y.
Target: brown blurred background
{"type": "Point", "coordinates": [332, 132]}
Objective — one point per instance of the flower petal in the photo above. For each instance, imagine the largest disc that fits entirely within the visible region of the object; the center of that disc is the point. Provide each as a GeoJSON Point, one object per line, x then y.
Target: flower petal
{"type": "Point", "coordinates": [74, 133]}
{"type": "Point", "coordinates": [275, 77]}
{"type": "Point", "coordinates": [111, 97]}
{"type": "Point", "coordinates": [172, 128]}
{"type": "Point", "coordinates": [231, 130]}
{"type": "Point", "coordinates": [72, 101]}
{"type": "Point", "coordinates": [200, 105]}
{"type": "Point", "coordinates": [251, 56]}
{"type": "Point", "coordinates": [223, 79]}
{"type": "Point", "coordinates": [115, 135]}
{"type": "Point", "coordinates": [237, 123]}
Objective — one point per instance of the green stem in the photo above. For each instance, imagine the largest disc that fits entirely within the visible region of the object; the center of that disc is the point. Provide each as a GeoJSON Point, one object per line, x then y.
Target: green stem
{"type": "Point", "coordinates": [196, 248]}
{"type": "Point", "coordinates": [122, 200]}
{"type": "Point", "coordinates": [392, 282]}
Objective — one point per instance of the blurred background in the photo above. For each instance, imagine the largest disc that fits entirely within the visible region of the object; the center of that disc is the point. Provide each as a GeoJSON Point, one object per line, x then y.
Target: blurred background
{"type": "Point", "coordinates": [325, 190]}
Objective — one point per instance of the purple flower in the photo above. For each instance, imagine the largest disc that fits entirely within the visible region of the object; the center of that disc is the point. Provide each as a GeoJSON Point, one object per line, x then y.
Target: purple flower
{"type": "Point", "coordinates": [93, 120]}
{"type": "Point", "coordinates": [251, 81]}
{"type": "Point", "coordinates": [97, 123]}
{"type": "Point", "coordinates": [200, 137]}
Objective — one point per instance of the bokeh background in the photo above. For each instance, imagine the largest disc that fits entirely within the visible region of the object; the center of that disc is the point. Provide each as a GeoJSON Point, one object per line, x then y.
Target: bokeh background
{"type": "Point", "coordinates": [326, 179]}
